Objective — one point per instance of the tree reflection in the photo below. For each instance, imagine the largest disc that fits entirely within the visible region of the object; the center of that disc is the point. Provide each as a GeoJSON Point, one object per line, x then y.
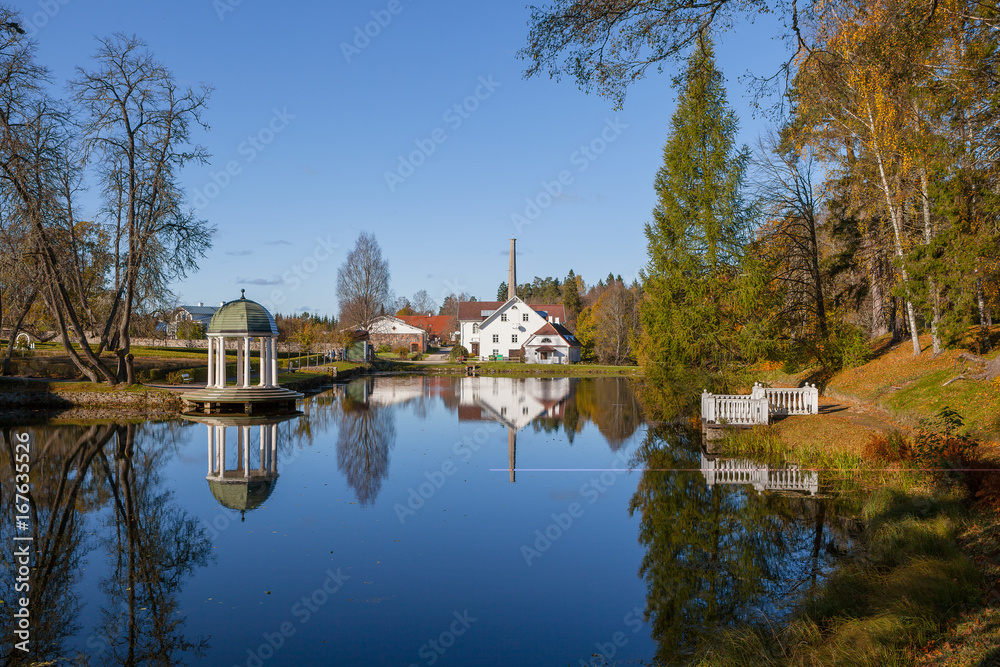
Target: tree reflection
{"type": "Point", "coordinates": [611, 404]}
{"type": "Point", "coordinates": [366, 435]}
{"type": "Point", "coordinates": [59, 464]}
{"type": "Point", "coordinates": [152, 545]}
{"type": "Point", "coordinates": [715, 556]}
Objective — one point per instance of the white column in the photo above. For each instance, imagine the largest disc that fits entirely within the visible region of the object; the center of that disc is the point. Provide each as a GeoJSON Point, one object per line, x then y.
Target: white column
{"type": "Point", "coordinates": [274, 448]}
{"type": "Point", "coordinates": [220, 373]}
{"type": "Point", "coordinates": [221, 447]}
{"type": "Point", "coordinates": [263, 440]}
{"type": "Point", "coordinates": [210, 381]}
{"type": "Point", "coordinates": [265, 363]}
{"type": "Point", "coordinates": [239, 364]}
{"type": "Point", "coordinates": [274, 362]}
{"type": "Point", "coordinates": [245, 432]}
{"type": "Point", "coordinates": [246, 362]}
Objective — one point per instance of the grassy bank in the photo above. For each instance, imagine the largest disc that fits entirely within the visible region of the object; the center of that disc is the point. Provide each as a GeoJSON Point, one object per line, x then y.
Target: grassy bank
{"type": "Point", "coordinates": [506, 368]}
{"type": "Point", "coordinates": [925, 587]}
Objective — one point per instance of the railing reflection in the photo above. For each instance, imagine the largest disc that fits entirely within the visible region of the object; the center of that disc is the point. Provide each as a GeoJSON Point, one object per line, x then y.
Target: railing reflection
{"type": "Point", "coordinates": [760, 476]}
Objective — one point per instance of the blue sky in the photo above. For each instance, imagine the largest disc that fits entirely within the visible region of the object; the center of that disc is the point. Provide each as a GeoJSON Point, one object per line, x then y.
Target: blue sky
{"type": "Point", "coordinates": [425, 134]}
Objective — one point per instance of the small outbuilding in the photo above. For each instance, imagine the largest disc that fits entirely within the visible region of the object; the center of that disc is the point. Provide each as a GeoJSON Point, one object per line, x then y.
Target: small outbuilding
{"type": "Point", "coordinates": [552, 344]}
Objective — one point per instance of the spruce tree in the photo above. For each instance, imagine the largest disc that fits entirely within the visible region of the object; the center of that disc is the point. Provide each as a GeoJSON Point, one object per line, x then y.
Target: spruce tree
{"type": "Point", "coordinates": [571, 298]}
{"type": "Point", "coordinates": [698, 283]}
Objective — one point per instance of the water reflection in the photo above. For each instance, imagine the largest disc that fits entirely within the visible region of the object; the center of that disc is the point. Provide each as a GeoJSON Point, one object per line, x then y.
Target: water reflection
{"type": "Point", "coordinates": [717, 555]}
{"type": "Point", "coordinates": [760, 476]}
{"type": "Point", "coordinates": [242, 474]}
{"type": "Point", "coordinates": [367, 431]}
{"type": "Point", "coordinates": [151, 545]}
{"type": "Point", "coordinates": [117, 511]}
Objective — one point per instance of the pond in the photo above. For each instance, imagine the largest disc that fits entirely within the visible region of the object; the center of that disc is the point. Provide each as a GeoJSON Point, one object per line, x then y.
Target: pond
{"type": "Point", "coordinates": [406, 521]}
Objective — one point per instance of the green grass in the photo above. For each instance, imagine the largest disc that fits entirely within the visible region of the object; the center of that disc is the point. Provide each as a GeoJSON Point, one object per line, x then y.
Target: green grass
{"type": "Point", "coordinates": [879, 609]}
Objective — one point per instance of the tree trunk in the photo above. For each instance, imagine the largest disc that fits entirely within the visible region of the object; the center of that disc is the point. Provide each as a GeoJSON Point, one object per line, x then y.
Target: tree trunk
{"type": "Point", "coordinates": [985, 317]}
{"type": "Point", "coordinates": [894, 218]}
{"type": "Point", "coordinates": [931, 283]}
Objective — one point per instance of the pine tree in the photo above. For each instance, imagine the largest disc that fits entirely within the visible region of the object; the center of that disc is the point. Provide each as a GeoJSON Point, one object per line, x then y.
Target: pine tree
{"type": "Point", "coordinates": [571, 299]}
{"type": "Point", "coordinates": [698, 282]}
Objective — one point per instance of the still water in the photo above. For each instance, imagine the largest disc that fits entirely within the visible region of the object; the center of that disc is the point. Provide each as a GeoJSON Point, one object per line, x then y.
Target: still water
{"type": "Point", "coordinates": [406, 521]}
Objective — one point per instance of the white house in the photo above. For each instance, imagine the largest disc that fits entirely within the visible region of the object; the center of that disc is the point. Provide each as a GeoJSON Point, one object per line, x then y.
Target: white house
{"type": "Point", "coordinates": [552, 344]}
{"type": "Point", "coordinates": [502, 327]}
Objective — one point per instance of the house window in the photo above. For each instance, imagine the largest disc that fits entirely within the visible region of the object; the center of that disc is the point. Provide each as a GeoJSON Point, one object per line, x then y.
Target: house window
{"type": "Point", "coordinates": [503, 317]}
{"type": "Point", "coordinates": [524, 317]}
{"type": "Point", "coordinates": [513, 338]}
{"type": "Point", "coordinates": [524, 410]}
{"type": "Point", "coordinates": [495, 353]}
{"type": "Point", "coordinates": [475, 328]}
{"type": "Point", "coordinates": [496, 338]}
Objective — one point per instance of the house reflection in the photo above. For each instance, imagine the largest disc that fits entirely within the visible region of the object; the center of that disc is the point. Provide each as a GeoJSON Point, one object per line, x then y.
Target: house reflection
{"type": "Point", "coordinates": [515, 403]}
{"type": "Point", "coordinates": [242, 459]}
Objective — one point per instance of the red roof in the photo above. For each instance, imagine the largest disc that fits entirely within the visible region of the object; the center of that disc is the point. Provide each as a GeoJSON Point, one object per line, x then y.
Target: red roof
{"type": "Point", "coordinates": [436, 325]}
{"type": "Point", "coordinates": [473, 310]}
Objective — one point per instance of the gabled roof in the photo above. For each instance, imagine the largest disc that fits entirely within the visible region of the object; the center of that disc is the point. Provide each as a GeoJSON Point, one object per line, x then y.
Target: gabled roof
{"type": "Point", "coordinates": [387, 324]}
{"type": "Point", "coordinates": [558, 330]}
{"type": "Point", "coordinates": [433, 324]}
{"type": "Point", "coordinates": [479, 311]}
{"type": "Point", "coordinates": [200, 310]}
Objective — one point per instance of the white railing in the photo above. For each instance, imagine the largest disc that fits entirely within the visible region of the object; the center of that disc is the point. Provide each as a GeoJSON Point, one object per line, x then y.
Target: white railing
{"type": "Point", "coordinates": [733, 409]}
{"type": "Point", "coordinates": [761, 477]}
{"type": "Point", "coordinates": [789, 400]}
{"type": "Point", "coordinates": [758, 407]}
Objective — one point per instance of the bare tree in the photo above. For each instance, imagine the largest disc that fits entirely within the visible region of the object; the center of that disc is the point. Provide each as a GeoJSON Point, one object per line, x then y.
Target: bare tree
{"type": "Point", "coordinates": [363, 283]}
{"type": "Point", "coordinates": [790, 204]}
{"type": "Point", "coordinates": [422, 303]}
{"type": "Point", "coordinates": [139, 131]}
{"type": "Point", "coordinates": [616, 324]}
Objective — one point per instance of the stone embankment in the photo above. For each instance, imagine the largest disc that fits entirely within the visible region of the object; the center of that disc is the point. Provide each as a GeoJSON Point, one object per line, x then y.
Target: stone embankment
{"type": "Point", "coordinates": [21, 402]}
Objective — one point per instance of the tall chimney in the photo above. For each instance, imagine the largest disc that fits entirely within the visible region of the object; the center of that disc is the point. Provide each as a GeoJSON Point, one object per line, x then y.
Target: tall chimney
{"type": "Point", "coordinates": [511, 273]}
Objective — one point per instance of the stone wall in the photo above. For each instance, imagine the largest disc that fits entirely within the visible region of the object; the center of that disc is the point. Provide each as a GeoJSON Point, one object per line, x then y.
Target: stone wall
{"type": "Point", "coordinates": [123, 400]}
{"type": "Point", "coordinates": [202, 344]}
{"type": "Point", "coordinates": [394, 340]}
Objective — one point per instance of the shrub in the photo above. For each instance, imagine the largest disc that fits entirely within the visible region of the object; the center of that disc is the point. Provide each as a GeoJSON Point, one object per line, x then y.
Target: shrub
{"type": "Point", "coordinates": [458, 351]}
{"type": "Point", "coordinates": [402, 351]}
{"type": "Point", "coordinates": [383, 348]}
{"type": "Point", "coordinates": [893, 447]}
